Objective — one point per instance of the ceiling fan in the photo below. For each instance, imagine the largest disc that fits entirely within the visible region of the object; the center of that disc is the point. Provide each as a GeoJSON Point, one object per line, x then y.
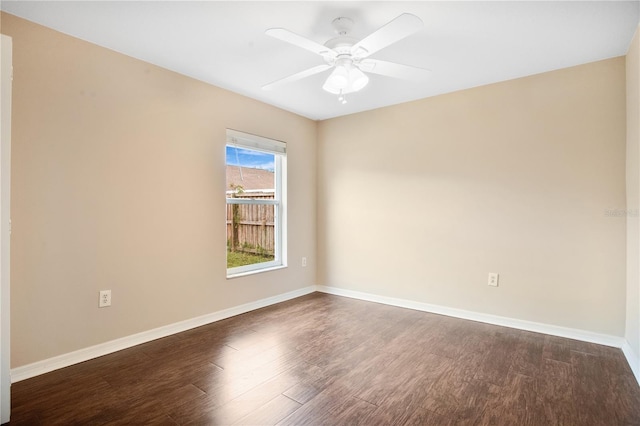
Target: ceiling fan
{"type": "Point", "coordinates": [349, 57]}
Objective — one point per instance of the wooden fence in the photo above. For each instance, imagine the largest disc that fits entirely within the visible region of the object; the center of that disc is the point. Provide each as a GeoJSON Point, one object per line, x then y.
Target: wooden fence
{"type": "Point", "coordinates": [250, 227]}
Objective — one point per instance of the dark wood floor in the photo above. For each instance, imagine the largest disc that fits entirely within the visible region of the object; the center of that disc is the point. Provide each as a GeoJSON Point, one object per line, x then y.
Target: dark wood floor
{"type": "Point", "coordinates": [323, 359]}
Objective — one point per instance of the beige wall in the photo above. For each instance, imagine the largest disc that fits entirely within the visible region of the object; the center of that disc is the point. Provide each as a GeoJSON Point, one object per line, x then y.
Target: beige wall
{"type": "Point", "coordinates": [421, 200]}
{"type": "Point", "coordinates": [118, 182]}
{"type": "Point", "coordinates": [632, 331]}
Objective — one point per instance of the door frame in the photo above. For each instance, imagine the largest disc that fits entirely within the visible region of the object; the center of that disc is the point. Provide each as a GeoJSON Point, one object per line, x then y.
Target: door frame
{"type": "Point", "coordinates": [6, 77]}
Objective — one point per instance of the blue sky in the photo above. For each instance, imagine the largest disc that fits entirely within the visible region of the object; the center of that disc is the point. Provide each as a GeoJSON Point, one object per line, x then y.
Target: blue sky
{"type": "Point", "coordinates": [249, 158]}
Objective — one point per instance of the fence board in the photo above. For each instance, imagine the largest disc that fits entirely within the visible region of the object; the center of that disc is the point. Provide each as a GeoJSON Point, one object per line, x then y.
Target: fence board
{"type": "Point", "coordinates": [255, 226]}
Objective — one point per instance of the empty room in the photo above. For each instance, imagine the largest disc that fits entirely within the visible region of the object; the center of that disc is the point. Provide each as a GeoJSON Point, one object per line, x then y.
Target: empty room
{"type": "Point", "coordinates": [322, 213]}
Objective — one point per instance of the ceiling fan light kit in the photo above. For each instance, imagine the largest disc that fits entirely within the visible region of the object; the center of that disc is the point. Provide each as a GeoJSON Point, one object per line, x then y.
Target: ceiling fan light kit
{"type": "Point", "coordinates": [345, 79]}
{"type": "Point", "coordinates": [349, 57]}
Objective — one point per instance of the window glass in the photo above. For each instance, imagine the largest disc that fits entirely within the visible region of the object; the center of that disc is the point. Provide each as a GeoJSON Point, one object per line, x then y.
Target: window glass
{"type": "Point", "coordinates": [254, 194]}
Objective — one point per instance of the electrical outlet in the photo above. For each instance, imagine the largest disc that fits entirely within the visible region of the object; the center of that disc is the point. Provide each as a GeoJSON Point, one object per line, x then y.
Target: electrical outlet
{"type": "Point", "coordinates": [304, 262]}
{"type": "Point", "coordinates": [105, 298]}
{"type": "Point", "coordinates": [493, 279]}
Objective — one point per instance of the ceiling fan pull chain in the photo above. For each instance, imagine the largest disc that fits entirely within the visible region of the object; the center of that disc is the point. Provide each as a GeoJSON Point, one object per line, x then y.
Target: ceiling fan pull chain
{"type": "Point", "coordinates": [342, 98]}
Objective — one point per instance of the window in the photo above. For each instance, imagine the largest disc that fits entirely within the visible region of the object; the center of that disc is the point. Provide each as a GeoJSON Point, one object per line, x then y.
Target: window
{"type": "Point", "coordinates": [256, 199]}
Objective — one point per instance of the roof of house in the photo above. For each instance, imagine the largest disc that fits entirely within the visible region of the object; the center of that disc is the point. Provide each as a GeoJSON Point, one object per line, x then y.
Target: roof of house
{"type": "Point", "coordinates": [249, 178]}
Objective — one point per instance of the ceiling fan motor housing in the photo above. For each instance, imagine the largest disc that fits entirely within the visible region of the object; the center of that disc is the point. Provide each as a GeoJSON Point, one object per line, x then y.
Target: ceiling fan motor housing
{"type": "Point", "coordinates": [341, 45]}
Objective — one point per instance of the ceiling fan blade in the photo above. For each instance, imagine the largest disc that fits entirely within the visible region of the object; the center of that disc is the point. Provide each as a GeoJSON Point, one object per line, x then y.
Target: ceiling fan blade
{"type": "Point", "coordinates": [297, 76]}
{"type": "Point", "coordinates": [399, 28]}
{"type": "Point", "coordinates": [391, 69]}
{"type": "Point", "coordinates": [303, 42]}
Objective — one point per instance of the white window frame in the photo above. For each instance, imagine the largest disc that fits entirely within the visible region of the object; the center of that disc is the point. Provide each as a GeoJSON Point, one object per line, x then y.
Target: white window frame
{"type": "Point", "coordinates": [239, 139]}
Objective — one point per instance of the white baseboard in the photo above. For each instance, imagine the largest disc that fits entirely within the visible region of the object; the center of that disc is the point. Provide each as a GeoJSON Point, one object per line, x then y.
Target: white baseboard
{"type": "Point", "coordinates": [65, 360]}
{"type": "Point", "coordinates": [633, 359]}
{"type": "Point", "coordinates": [554, 330]}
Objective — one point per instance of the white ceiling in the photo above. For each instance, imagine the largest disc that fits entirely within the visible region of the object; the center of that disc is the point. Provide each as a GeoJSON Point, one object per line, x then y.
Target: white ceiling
{"type": "Point", "coordinates": [465, 44]}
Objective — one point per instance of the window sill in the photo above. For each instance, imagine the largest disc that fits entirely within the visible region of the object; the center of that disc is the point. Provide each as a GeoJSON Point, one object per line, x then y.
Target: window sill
{"type": "Point", "coordinates": [256, 271]}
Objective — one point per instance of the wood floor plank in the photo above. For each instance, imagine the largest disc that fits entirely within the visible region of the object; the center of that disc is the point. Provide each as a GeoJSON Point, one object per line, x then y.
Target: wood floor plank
{"type": "Point", "coordinates": [230, 384]}
{"type": "Point", "coordinates": [555, 392]}
{"type": "Point", "coordinates": [90, 404]}
{"type": "Point", "coordinates": [446, 340]}
{"type": "Point", "coordinates": [324, 359]}
{"type": "Point", "coordinates": [399, 374]}
{"type": "Point", "coordinates": [580, 346]}
{"type": "Point", "coordinates": [226, 403]}
{"type": "Point", "coordinates": [515, 404]}
{"type": "Point", "coordinates": [589, 384]}
{"type": "Point", "coordinates": [398, 403]}
{"type": "Point", "coordinates": [271, 412]}
{"type": "Point", "coordinates": [594, 380]}
{"type": "Point", "coordinates": [423, 416]}
{"type": "Point", "coordinates": [473, 397]}
{"type": "Point", "coordinates": [246, 403]}
{"type": "Point", "coordinates": [473, 352]}
{"type": "Point", "coordinates": [311, 383]}
{"type": "Point", "coordinates": [397, 409]}
{"type": "Point", "coordinates": [348, 368]}
{"type": "Point", "coordinates": [556, 351]}
{"type": "Point", "coordinates": [528, 356]}
{"type": "Point", "coordinates": [450, 395]}
{"type": "Point", "coordinates": [417, 333]}
{"type": "Point", "coordinates": [497, 359]}
{"type": "Point", "coordinates": [47, 388]}
{"type": "Point", "coordinates": [335, 405]}
{"type": "Point", "coordinates": [201, 408]}
{"type": "Point", "coordinates": [625, 400]}
{"type": "Point", "coordinates": [323, 408]}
